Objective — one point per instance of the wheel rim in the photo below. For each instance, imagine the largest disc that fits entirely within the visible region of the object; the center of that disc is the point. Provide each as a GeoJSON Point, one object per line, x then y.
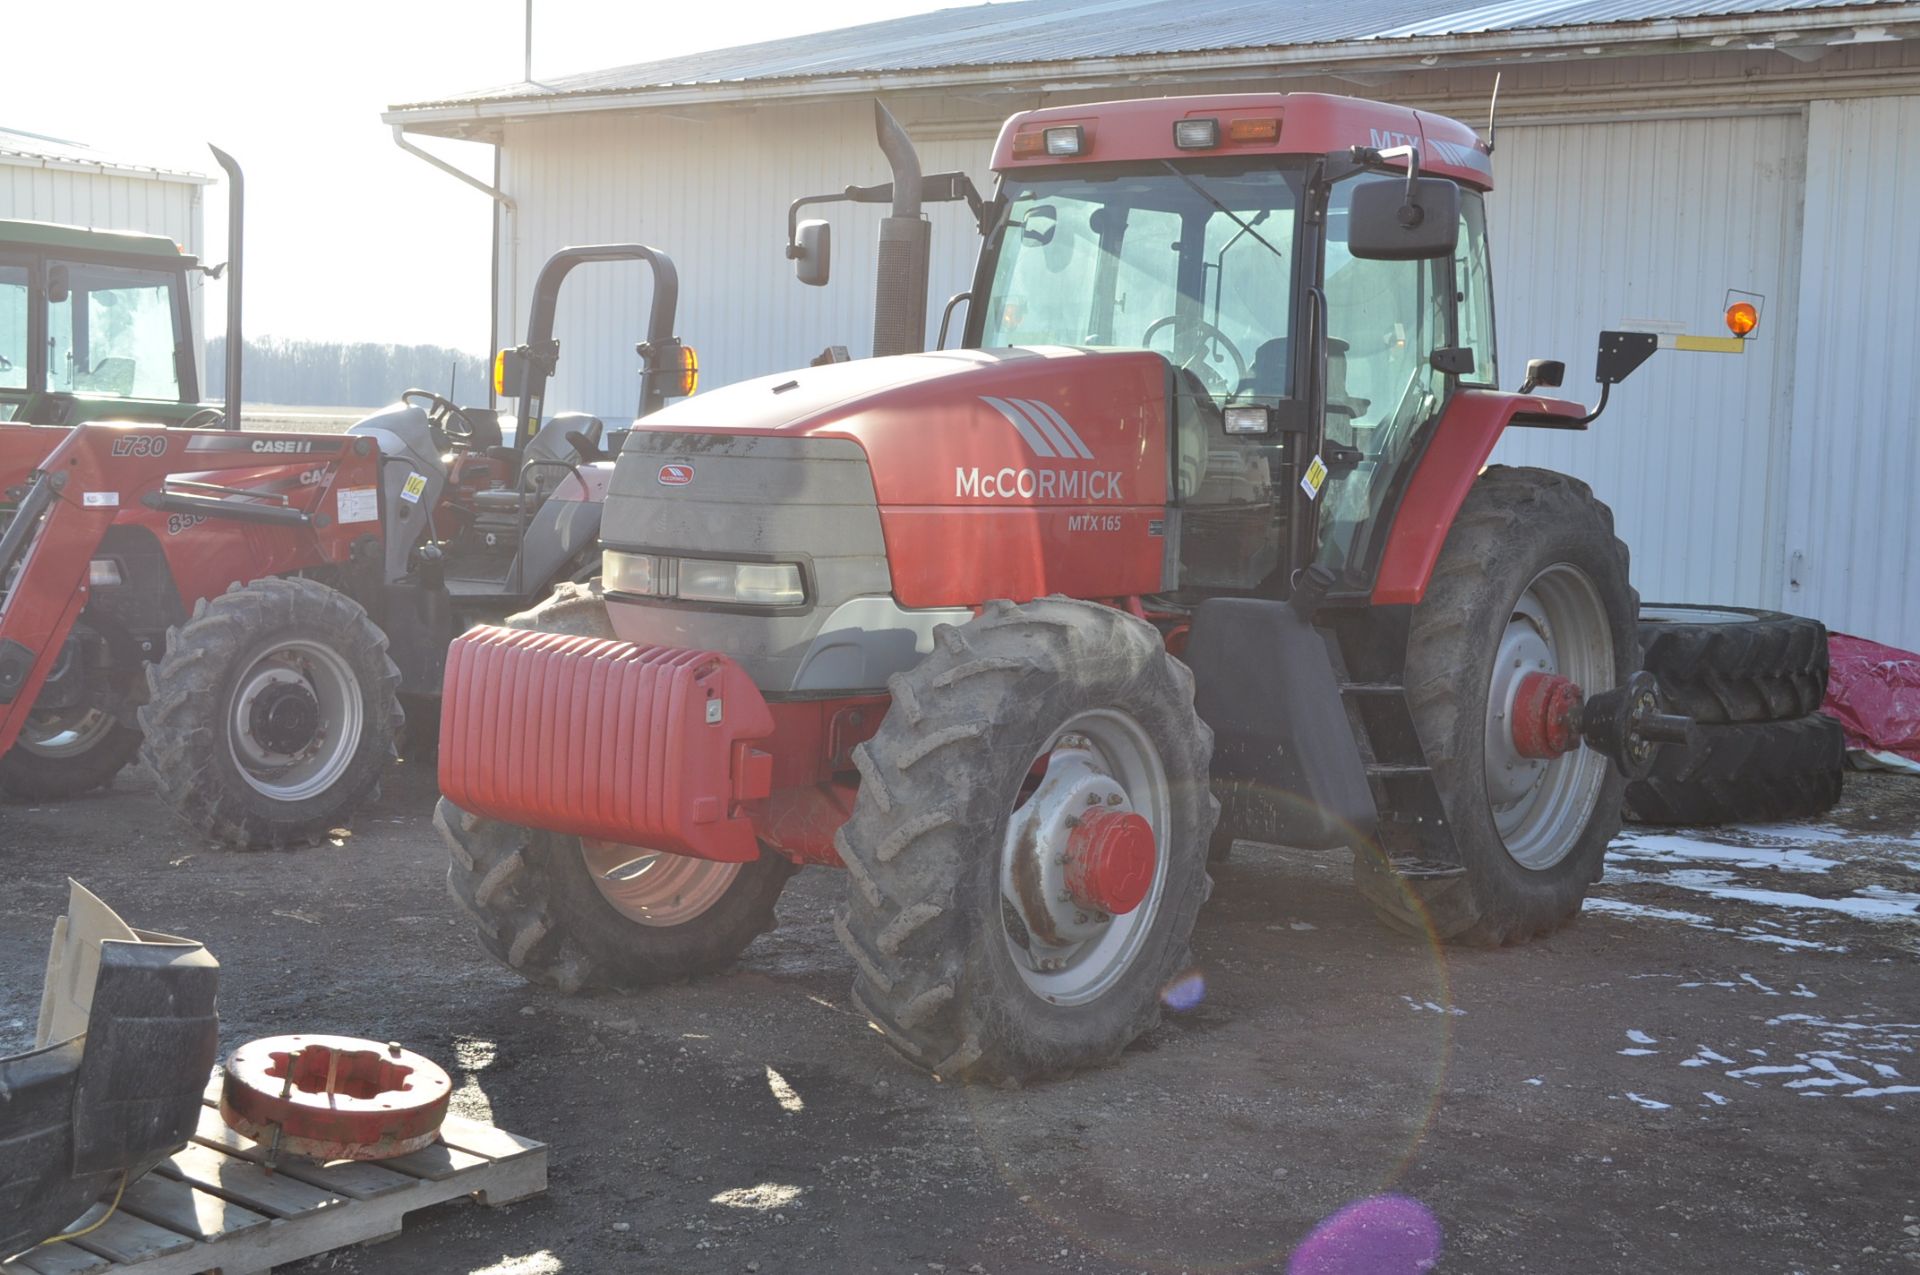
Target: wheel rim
{"type": "Point", "coordinates": [1065, 954]}
{"type": "Point", "coordinates": [653, 888]}
{"type": "Point", "coordinates": [62, 735]}
{"type": "Point", "coordinates": [296, 719]}
{"type": "Point", "coordinates": [1558, 626]}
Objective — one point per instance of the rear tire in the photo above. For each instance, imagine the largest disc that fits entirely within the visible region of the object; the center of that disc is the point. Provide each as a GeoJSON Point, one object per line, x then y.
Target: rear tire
{"type": "Point", "coordinates": [210, 721]}
{"type": "Point", "coordinates": [1720, 665]}
{"type": "Point", "coordinates": [48, 768]}
{"type": "Point", "coordinates": [537, 910]}
{"type": "Point", "coordinates": [1761, 771]}
{"type": "Point", "coordinates": [1517, 529]}
{"type": "Point", "coordinates": [926, 918]}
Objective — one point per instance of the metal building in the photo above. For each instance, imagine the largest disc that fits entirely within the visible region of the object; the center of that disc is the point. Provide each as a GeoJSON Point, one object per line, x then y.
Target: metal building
{"type": "Point", "coordinates": [1652, 154]}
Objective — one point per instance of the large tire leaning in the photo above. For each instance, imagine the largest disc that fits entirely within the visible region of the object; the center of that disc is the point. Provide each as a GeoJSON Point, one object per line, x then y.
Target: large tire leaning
{"type": "Point", "coordinates": [925, 920]}
{"type": "Point", "coordinates": [1516, 527]}
{"type": "Point", "coordinates": [538, 909]}
{"type": "Point", "coordinates": [1730, 664]}
{"type": "Point", "coordinates": [194, 747]}
{"type": "Point", "coordinates": [33, 770]}
{"type": "Point", "coordinates": [1760, 771]}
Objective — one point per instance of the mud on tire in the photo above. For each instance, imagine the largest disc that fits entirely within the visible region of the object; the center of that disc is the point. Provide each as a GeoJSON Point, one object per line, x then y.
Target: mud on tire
{"type": "Point", "coordinates": [1514, 524]}
{"type": "Point", "coordinates": [535, 906]}
{"type": "Point", "coordinates": [191, 691]}
{"type": "Point", "coordinates": [924, 919]}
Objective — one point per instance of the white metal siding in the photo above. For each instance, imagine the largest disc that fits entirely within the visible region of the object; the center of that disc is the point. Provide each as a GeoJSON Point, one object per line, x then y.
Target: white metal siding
{"type": "Point", "coordinates": [714, 196]}
{"type": "Point", "coordinates": [1853, 531]}
{"type": "Point", "coordinates": [1597, 225]}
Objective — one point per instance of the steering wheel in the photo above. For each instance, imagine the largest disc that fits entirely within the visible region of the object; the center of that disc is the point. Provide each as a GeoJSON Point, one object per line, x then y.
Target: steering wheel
{"type": "Point", "coordinates": [450, 424]}
{"type": "Point", "coordinates": [1194, 362]}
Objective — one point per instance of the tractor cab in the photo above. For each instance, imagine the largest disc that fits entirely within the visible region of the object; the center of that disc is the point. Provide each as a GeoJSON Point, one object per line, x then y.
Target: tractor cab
{"type": "Point", "coordinates": [96, 325]}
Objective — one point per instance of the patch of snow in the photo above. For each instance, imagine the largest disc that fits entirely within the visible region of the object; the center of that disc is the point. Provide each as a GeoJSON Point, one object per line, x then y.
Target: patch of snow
{"type": "Point", "coordinates": [1417, 1006]}
{"type": "Point", "coordinates": [1714, 1098]}
{"type": "Point", "coordinates": [1649, 1103]}
{"type": "Point", "coordinates": [1668, 848]}
{"type": "Point", "coordinates": [1748, 978]}
{"type": "Point", "coordinates": [1535, 1080]}
{"type": "Point", "coordinates": [1639, 1037]}
{"type": "Point", "coordinates": [1883, 1090]}
{"type": "Point", "coordinates": [1637, 1053]}
{"type": "Point", "coordinates": [1620, 907]}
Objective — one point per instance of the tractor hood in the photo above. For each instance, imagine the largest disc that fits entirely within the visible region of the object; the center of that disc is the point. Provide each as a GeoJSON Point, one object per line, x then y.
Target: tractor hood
{"type": "Point", "coordinates": [1040, 426]}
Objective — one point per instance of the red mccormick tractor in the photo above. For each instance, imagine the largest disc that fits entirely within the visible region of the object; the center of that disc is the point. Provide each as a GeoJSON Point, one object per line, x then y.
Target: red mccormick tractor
{"type": "Point", "coordinates": [1194, 539]}
{"type": "Point", "coordinates": [242, 609]}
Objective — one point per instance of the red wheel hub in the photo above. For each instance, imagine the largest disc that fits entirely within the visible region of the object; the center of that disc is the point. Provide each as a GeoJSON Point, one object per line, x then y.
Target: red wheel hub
{"type": "Point", "coordinates": [1110, 861]}
{"type": "Point", "coordinates": [334, 1097]}
{"type": "Point", "coordinates": [1545, 711]}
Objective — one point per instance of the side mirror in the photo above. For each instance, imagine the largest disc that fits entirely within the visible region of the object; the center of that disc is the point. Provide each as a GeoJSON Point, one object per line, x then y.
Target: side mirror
{"type": "Point", "coordinates": [1543, 374]}
{"type": "Point", "coordinates": [510, 373]}
{"type": "Point", "coordinates": [1404, 221]}
{"type": "Point", "coordinates": [812, 253]}
{"type": "Point", "coordinates": [58, 289]}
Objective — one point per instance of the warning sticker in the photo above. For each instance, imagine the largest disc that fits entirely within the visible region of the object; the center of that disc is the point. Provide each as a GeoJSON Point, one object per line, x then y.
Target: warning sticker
{"type": "Point", "coordinates": [1314, 478]}
{"type": "Point", "coordinates": [100, 499]}
{"type": "Point", "coordinates": [358, 504]}
{"type": "Point", "coordinates": [414, 488]}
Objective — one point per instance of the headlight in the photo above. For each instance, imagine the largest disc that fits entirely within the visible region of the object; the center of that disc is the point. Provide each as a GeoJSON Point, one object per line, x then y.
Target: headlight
{"type": "Point", "coordinates": [762, 584]}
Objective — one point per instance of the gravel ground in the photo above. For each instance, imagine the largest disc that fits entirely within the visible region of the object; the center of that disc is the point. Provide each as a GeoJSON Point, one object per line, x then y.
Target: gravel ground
{"type": "Point", "coordinates": [1714, 1070]}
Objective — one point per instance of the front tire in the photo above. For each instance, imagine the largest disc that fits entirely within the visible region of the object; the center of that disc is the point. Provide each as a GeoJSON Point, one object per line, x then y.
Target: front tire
{"type": "Point", "coordinates": [960, 961]}
{"type": "Point", "coordinates": [273, 714]}
{"type": "Point", "coordinates": [1531, 578]}
{"type": "Point", "coordinates": [66, 755]}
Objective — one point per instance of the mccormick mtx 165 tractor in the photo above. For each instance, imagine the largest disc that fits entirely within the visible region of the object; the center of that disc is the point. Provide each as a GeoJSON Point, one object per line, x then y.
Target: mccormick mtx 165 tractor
{"type": "Point", "coordinates": [1194, 539]}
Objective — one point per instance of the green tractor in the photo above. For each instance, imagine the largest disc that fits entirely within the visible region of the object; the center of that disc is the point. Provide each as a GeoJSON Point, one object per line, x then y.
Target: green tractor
{"type": "Point", "coordinates": [96, 324]}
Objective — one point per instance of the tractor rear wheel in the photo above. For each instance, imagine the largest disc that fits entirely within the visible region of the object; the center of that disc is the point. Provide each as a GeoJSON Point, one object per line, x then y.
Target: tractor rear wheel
{"type": "Point", "coordinates": [273, 714]}
{"type": "Point", "coordinates": [1028, 850]}
{"type": "Point", "coordinates": [577, 915]}
{"type": "Point", "coordinates": [1531, 579]}
{"type": "Point", "coordinates": [65, 754]}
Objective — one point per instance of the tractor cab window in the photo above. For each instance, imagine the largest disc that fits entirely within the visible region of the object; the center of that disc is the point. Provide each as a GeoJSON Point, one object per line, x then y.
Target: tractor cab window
{"type": "Point", "coordinates": [1384, 321]}
{"type": "Point", "coordinates": [113, 332]}
{"type": "Point", "coordinates": [1473, 282]}
{"type": "Point", "coordinates": [13, 329]}
{"type": "Point", "coordinates": [1194, 261]}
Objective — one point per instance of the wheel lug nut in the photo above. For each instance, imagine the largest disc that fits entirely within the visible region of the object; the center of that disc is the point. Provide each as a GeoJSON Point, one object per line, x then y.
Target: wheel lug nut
{"type": "Point", "coordinates": [1113, 799]}
{"type": "Point", "coordinates": [1093, 799]}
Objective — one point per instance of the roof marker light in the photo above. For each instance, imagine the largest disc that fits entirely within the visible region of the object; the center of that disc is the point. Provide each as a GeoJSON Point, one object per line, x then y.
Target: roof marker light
{"type": "Point", "coordinates": [1196, 135]}
{"type": "Point", "coordinates": [1066, 139]}
{"type": "Point", "coordinates": [1742, 318]}
{"type": "Point", "coordinates": [1028, 144]}
{"type": "Point", "coordinates": [1259, 130]}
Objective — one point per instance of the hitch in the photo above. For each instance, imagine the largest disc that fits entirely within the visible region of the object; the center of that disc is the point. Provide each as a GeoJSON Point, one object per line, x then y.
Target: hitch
{"type": "Point", "coordinates": [1552, 717]}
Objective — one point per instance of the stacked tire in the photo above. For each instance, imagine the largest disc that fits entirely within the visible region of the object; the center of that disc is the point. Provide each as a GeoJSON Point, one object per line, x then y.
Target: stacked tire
{"type": "Point", "coordinates": [1754, 681]}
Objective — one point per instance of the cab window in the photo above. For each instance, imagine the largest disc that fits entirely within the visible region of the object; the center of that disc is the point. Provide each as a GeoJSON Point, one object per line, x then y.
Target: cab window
{"type": "Point", "coordinates": [13, 327]}
{"type": "Point", "coordinates": [113, 332]}
{"type": "Point", "coordinates": [1473, 285]}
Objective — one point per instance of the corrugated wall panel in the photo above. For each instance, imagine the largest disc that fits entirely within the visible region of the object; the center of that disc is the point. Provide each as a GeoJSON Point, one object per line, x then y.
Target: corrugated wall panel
{"type": "Point", "coordinates": [1853, 532]}
{"type": "Point", "coordinates": [1597, 225]}
{"type": "Point", "coordinates": [714, 195]}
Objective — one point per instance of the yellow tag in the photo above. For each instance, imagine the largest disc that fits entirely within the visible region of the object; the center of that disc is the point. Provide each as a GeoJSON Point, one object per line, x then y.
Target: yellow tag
{"type": "Point", "coordinates": [1316, 475]}
{"type": "Point", "coordinates": [414, 488]}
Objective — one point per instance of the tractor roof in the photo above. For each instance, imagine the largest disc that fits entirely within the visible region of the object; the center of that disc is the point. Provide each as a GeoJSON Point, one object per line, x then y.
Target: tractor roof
{"type": "Point", "coordinates": [1301, 124]}
{"type": "Point", "coordinates": [44, 235]}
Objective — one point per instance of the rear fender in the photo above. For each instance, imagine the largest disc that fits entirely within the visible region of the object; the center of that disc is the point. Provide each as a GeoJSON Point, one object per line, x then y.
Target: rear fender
{"type": "Point", "coordinates": [1457, 451]}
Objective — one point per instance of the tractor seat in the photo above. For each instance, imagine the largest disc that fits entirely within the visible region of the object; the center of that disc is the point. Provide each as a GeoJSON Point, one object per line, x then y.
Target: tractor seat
{"type": "Point", "coordinates": [548, 459]}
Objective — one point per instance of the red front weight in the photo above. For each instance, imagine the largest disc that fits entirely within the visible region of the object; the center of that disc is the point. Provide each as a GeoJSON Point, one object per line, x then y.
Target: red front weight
{"type": "Point", "coordinates": [334, 1097]}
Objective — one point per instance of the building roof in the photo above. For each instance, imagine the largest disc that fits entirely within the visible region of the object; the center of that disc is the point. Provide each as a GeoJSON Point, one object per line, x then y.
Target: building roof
{"type": "Point", "coordinates": [37, 150]}
{"type": "Point", "coordinates": [984, 38]}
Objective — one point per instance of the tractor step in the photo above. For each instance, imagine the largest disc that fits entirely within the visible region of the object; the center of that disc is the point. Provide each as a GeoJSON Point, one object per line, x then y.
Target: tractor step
{"type": "Point", "coordinates": [1372, 688]}
{"type": "Point", "coordinates": [1417, 869]}
{"type": "Point", "coordinates": [1390, 769]}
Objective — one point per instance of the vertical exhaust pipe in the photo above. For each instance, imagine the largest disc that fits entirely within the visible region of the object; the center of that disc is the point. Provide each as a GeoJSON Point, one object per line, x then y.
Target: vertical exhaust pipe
{"type": "Point", "coordinates": [906, 240]}
{"type": "Point", "coordinates": [236, 225]}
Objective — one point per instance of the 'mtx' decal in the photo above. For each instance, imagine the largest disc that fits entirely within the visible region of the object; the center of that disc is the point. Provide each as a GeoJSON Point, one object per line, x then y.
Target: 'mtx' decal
{"type": "Point", "coordinates": [1048, 436]}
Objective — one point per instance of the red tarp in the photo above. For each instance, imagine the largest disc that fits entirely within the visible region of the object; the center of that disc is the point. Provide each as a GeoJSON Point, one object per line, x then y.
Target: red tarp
{"type": "Point", "coordinates": [1875, 692]}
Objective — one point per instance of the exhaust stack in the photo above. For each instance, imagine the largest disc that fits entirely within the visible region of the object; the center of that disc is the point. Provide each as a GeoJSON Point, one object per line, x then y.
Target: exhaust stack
{"type": "Point", "coordinates": [906, 239]}
{"type": "Point", "coordinates": [236, 225]}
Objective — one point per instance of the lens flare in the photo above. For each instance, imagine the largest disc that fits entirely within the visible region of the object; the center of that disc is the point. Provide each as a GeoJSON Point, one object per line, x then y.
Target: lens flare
{"type": "Point", "coordinates": [1185, 992]}
{"type": "Point", "coordinates": [1381, 1235]}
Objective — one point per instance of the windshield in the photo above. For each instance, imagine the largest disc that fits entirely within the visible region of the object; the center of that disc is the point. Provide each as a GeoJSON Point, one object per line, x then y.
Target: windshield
{"type": "Point", "coordinates": [113, 333]}
{"type": "Point", "coordinates": [1193, 262]}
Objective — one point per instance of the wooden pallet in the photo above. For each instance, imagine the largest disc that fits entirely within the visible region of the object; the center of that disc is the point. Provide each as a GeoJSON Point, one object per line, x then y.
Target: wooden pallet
{"type": "Point", "coordinates": [214, 1207]}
